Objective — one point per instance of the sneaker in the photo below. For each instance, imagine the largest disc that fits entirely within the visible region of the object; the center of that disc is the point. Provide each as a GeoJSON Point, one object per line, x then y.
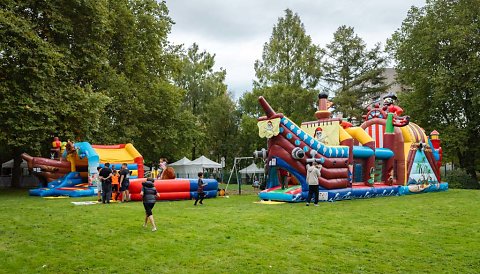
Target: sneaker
{"type": "Point", "coordinates": [154, 229]}
{"type": "Point", "coordinates": [144, 225]}
{"type": "Point", "coordinates": [315, 204]}
{"type": "Point", "coordinates": [307, 204]}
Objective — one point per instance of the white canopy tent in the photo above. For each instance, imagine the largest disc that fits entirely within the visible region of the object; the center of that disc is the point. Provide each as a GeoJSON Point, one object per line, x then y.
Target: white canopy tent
{"type": "Point", "coordinates": [251, 170]}
{"type": "Point", "coordinates": [183, 169]}
{"type": "Point", "coordinates": [9, 164]}
{"type": "Point", "coordinates": [204, 162]}
{"type": "Point", "coordinates": [181, 162]}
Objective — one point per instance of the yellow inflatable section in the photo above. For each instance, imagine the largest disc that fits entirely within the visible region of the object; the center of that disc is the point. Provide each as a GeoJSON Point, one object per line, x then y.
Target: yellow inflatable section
{"type": "Point", "coordinates": [110, 154]}
{"type": "Point", "coordinates": [118, 154]}
{"type": "Point", "coordinates": [357, 133]}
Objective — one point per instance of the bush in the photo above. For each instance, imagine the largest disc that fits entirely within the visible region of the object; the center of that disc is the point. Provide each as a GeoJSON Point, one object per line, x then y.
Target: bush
{"type": "Point", "coordinates": [459, 178]}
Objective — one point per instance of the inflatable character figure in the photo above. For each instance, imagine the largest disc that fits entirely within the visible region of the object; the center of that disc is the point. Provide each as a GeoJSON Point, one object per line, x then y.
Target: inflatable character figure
{"type": "Point", "coordinates": [371, 181]}
{"type": "Point", "coordinates": [71, 155]}
{"type": "Point", "coordinates": [168, 173]}
{"type": "Point", "coordinates": [390, 107]}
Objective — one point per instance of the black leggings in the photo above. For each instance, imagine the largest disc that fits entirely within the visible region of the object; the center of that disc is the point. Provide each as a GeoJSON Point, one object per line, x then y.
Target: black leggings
{"type": "Point", "coordinates": [200, 196]}
{"type": "Point", "coordinates": [148, 208]}
{"type": "Point", "coordinates": [312, 190]}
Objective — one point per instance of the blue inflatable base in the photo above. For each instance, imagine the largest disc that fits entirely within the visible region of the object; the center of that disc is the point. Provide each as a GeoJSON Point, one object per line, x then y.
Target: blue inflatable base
{"type": "Point", "coordinates": [283, 197]}
{"type": "Point", "coordinates": [332, 195]}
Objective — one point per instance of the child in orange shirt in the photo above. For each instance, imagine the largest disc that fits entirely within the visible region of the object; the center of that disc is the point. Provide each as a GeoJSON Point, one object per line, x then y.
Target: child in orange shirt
{"type": "Point", "coordinates": [115, 185]}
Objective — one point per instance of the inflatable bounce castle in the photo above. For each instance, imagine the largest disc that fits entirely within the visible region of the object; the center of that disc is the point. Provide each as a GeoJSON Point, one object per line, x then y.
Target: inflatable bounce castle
{"type": "Point", "coordinates": [71, 172]}
{"type": "Point", "coordinates": [386, 155]}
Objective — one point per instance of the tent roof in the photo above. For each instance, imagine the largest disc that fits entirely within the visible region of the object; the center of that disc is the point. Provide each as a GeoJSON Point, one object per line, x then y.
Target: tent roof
{"type": "Point", "coordinates": [251, 169]}
{"type": "Point", "coordinates": [9, 164]}
{"type": "Point", "coordinates": [204, 162]}
{"type": "Point", "coordinates": [182, 162]}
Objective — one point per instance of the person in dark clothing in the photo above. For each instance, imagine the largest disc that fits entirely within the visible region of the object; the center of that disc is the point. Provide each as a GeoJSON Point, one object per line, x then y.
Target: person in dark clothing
{"type": "Point", "coordinates": [106, 179]}
{"type": "Point", "coordinates": [284, 178]}
{"type": "Point", "coordinates": [200, 192]}
{"type": "Point", "coordinates": [125, 182]}
{"type": "Point", "coordinates": [150, 195]}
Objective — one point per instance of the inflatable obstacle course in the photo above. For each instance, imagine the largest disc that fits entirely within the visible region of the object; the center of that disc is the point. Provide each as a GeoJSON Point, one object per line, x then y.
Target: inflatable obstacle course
{"type": "Point", "coordinates": [386, 155]}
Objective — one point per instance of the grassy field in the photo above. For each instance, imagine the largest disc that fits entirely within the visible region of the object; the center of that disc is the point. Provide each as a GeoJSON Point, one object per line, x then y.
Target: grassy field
{"type": "Point", "coordinates": [428, 233]}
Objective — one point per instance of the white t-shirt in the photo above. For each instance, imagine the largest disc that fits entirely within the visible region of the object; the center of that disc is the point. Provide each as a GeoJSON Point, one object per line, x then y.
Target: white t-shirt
{"type": "Point", "coordinates": [313, 173]}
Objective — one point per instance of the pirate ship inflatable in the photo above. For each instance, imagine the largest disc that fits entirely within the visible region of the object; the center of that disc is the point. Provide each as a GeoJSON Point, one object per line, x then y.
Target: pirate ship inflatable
{"type": "Point", "coordinates": [386, 155]}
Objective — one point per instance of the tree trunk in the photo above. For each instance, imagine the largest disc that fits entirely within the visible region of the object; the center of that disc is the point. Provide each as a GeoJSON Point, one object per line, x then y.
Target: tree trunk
{"type": "Point", "coordinates": [16, 171]}
{"type": "Point", "coordinates": [193, 152]}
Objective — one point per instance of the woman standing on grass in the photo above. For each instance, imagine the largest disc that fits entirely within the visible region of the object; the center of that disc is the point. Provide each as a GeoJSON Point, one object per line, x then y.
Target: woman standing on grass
{"type": "Point", "coordinates": [149, 194]}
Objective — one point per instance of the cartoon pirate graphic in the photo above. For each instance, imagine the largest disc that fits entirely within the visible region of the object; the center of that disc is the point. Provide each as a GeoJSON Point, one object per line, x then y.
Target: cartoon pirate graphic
{"type": "Point", "coordinates": [320, 135]}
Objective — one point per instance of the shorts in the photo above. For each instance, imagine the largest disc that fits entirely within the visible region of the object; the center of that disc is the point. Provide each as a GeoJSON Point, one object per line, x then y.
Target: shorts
{"type": "Point", "coordinates": [99, 187]}
{"type": "Point", "coordinates": [148, 208]}
{"type": "Point", "coordinates": [125, 186]}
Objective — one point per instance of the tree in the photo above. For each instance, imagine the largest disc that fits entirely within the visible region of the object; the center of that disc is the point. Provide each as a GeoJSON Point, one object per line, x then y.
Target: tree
{"type": "Point", "coordinates": [97, 71]}
{"type": "Point", "coordinates": [146, 107]}
{"type": "Point", "coordinates": [437, 50]}
{"type": "Point", "coordinates": [221, 126]}
{"type": "Point", "coordinates": [353, 73]}
{"type": "Point", "coordinates": [40, 94]}
{"type": "Point", "coordinates": [289, 58]}
{"type": "Point", "coordinates": [202, 84]}
{"type": "Point", "coordinates": [288, 73]}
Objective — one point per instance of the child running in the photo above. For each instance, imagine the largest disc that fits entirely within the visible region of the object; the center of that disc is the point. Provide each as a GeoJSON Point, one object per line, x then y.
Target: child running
{"type": "Point", "coordinates": [200, 192]}
{"type": "Point", "coordinates": [149, 194]}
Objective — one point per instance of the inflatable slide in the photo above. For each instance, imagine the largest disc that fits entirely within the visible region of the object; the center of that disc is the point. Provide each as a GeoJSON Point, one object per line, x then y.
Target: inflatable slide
{"type": "Point", "coordinates": [386, 155]}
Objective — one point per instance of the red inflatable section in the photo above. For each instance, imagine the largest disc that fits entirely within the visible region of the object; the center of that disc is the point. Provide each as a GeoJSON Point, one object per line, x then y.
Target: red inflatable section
{"type": "Point", "coordinates": [168, 189]}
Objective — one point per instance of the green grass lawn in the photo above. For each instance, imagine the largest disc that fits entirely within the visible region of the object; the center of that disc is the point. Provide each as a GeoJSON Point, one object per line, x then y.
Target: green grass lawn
{"type": "Point", "coordinates": [434, 232]}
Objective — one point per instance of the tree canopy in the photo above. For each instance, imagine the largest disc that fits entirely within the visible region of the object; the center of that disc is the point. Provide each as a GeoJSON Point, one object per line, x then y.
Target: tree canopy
{"type": "Point", "coordinates": [353, 73]}
{"type": "Point", "coordinates": [289, 58]}
{"type": "Point", "coordinates": [437, 50]}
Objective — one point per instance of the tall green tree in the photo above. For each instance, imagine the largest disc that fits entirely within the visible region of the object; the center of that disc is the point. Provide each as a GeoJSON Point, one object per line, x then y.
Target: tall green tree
{"type": "Point", "coordinates": [202, 84]}
{"type": "Point", "coordinates": [437, 51]}
{"type": "Point", "coordinates": [221, 127]}
{"type": "Point", "coordinates": [98, 71]}
{"type": "Point", "coordinates": [40, 93]}
{"type": "Point", "coordinates": [353, 73]}
{"type": "Point", "coordinates": [146, 106]}
{"type": "Point", "coordinates": [289, 58]}
{"type": "Point", "coordinates": [287, 76]}
{"type": "Point", "coordinates": [289, 71]}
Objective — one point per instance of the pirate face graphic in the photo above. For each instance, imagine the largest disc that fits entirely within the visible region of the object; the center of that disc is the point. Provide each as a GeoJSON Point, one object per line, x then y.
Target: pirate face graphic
{"type": "Point", "coordinates": [319, 135]}
{"type": "Point", "coordinates": [269, 126]}
{"type": "Point", "coordinates": [388, 101]}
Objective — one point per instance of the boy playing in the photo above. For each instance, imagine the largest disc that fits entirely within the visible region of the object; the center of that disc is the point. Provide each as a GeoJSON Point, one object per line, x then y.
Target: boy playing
{"type": "Point", "coordinates": [200, 192]}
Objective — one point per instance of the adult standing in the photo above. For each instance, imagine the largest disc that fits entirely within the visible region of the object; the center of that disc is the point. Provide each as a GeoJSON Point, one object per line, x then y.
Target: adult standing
{"type": "Point", "coordinates": [98, 183]}
{"type": "Point", "coordinates": [149, 194]}
{"type": "Point", "coordinates": [106, 178]}
{"type": "Point", "coordinates": [125, 182]}
{"type": "Point", "coordinates": [313, 173]}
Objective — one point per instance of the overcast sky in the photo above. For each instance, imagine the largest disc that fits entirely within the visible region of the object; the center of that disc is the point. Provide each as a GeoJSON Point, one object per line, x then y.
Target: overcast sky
{"type": "Point", "coordinates": [236, 30]}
